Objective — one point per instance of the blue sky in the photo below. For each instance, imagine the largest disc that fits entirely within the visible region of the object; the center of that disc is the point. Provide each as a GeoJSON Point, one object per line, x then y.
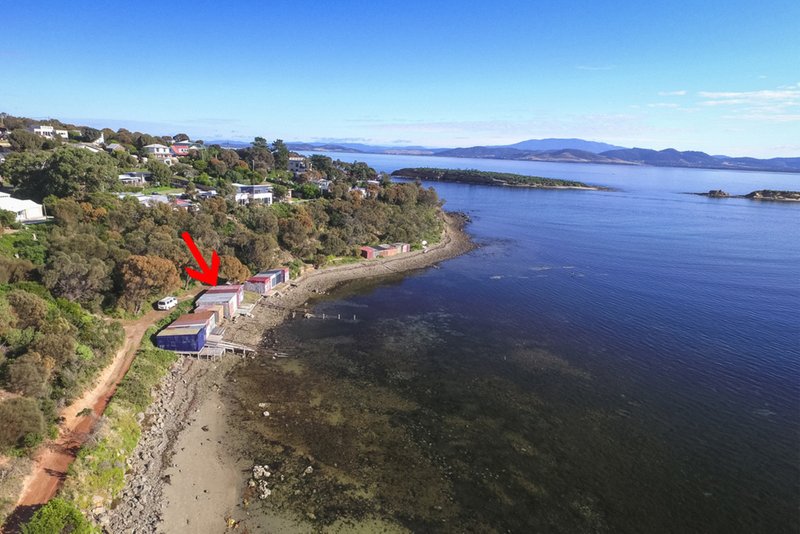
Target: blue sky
{"type": "Point", "coordinates": [722, 77]}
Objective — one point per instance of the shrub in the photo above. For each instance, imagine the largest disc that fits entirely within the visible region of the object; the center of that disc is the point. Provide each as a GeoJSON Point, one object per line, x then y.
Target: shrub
{"type": "Point", "coordinates": [19, 418]}
{"type": "Point", "coordinates": [29, 309]}
{"type": "Point", "coordinates": [27, 375]}
{"type": "Point", "coordinates": [58, 517]}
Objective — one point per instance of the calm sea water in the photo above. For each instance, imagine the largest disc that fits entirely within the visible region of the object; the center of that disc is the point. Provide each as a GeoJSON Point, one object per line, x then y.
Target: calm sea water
{"type": "Point", "coordinates": [623, 361]}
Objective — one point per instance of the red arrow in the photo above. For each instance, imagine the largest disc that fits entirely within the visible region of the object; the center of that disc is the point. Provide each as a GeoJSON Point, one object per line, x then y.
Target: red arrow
{"type": "Point", "coordinates": [205, 275]}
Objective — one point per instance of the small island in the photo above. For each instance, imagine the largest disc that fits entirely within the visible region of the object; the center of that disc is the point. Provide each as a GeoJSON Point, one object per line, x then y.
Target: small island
{"type": "Point", "coordinates": [763, 194]}
{"type": "Point", "coordinates": [472, 176]}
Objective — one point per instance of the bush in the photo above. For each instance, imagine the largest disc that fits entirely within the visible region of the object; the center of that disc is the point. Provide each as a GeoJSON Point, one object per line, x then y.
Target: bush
{"type": "Point", "coordinates": [29, 309]}
{"type": "Point", "coordinates": [58, 517]}
{"type": "Point", "coordinates": [20, 421]}
{"type": "Point", "coordinates": [26, 375]}
{"type": "Point", "coordinates": [7, 218]}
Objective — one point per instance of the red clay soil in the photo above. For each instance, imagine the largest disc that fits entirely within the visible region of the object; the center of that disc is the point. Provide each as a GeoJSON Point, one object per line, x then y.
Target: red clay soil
{"type": "Point", "coordinates": [54, 457]}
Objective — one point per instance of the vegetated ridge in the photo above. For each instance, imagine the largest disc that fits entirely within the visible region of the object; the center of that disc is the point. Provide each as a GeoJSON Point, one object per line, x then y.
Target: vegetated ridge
{"type": "Point", "coordinates": [489, 178]}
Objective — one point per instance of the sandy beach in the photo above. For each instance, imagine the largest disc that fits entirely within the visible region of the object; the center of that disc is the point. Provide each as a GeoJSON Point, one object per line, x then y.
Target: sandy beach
{"type": "Point", "coordinates": [185, 474]}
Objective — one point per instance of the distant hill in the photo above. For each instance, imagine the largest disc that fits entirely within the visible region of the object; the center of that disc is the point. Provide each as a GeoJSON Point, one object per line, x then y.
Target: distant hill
{"type": "Point", "coordinates": [629, 156]}
{"type": "Point", "coordinates": [674, 158]}
{"type": "Point", "coordinates": [569, 151]}
{"type": "Point", "coordinates": [321, 147]}
{"type": "Point", "coordinates": [560, 155]}
{"type": "Point", "coordinates": [360, 148]}
{"type": "Point", "coordinates": [664, 158]}
{"type": "Point", "coordinates": [227, 143]}
{"type": "Point", "coordinates": [490, 152]}
{"type": "Point", "coordinates": [560, 144]}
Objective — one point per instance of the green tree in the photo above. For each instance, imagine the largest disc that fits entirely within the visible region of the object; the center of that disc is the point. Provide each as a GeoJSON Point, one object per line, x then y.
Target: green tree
{"type": "Point", "coordinates": [180, 137]}
{"type": "Point", "coordinates": [280, 191]}
{"type": "Point", "coordinates": [232, 270]}
{"type": "Point", "coordinates": [8, 320]}
{"type": "Point", "coordinates": [361, 172]}
{"type": "Point", "coordinates": [30, 309]}
{"type": "Point", "coordinates": [22, 167]}
{"type": "Point", "coordinates": [161, 174]}
{"type": "Point", "coordinates": [67, 171]}
{"type": "Point", "coordinates": [56, 342]}
{"type": "Point", "coordinates": [7, 219]}
{"type": "Point", "coordinates": [76, 277]}
{"type": "Point", "coordinates": [22, 140]}
{"type": "Point", "coordinates": [309, 191]}
{"type": "Point", "coordinates": [281, 155]}
{"type": "Point", "coordinates": [58, 516]}
{"type": "Point", "coordinates": [89, 135]}
{"type": "Point", "coordinates": [144, 276]}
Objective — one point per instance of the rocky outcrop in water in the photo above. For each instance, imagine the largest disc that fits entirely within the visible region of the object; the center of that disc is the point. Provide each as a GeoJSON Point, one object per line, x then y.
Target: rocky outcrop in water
{"type": "Point", "coordinates": [763, 194]}
{"type": "Point", "coordinates": [766, 194]}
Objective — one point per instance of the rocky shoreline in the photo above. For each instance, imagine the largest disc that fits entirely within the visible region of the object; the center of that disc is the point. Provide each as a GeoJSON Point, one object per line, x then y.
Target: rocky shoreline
{"type": "Point", "coordinates": [183, 474]}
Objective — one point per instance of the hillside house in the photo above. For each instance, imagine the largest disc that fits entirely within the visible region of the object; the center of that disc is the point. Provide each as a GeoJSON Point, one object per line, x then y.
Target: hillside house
{"type": "Point", "coordinates": [48, 132]}
{"type": "Point", "coordinates": [26, 211]}
{"type": "Point", "coordinates": [183, 148]}
{"type": "Point", "coordinates": [245, 194]}
{"type": "Point", "coordinates": [115, 147]}
{"type": "Point", "coordinates": [324, 185]}
{"type": "Point", "coordinates": [299, 164]}
{"type": "Point", "coordinates": [159, 152]}
{"type": "Point", "coordinates": [138, 179]}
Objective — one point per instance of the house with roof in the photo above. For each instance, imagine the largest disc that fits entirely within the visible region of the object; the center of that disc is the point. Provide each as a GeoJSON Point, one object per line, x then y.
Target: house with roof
{"type": "Point", "coordinates": [134, 178]}
{"type": "Point", "coordinates": [384, 250]}
{"type": "Point", "coordinates": [26, 211]}
{"type": "Point", "coordinates": [183, 148]}
{"type": "Point", "coordinates": [245, 194]}
{"type": "Point", "coordinates": [91, 147]}
{"type": "Point", "coordinates": [49, 132]}
{"type": "Point", "coordinates": [299, 164]}
{"type": "Point", "coordinates": [157, 150]}
{"type": "Point", "coordinates": [146, 200]}
{"type": "Point", "coordinates": [115, 147]}
{"type": "Point", "coordinates": [324, 185]}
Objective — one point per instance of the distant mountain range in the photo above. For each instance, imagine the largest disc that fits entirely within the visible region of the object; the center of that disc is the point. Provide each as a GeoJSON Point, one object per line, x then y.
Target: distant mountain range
{"type": "Point", "coordinates": [561, 144]}
{"type": "Point", "coordinates": [560, 151]}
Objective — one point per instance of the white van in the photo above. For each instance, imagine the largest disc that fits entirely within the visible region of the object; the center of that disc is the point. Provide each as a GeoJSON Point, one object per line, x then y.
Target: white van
{"type": "Point", "coordinates": [167, 303]}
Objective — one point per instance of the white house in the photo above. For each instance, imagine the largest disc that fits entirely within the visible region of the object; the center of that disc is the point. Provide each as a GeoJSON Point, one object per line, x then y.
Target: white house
{"type": "Point", "coordinates": [299, 164]}
{"type": "Point", "coordinates": [49, 132]}
{"type": "Point", "coordinates": [245, 194]}
{"type": "Point", "coordinates": [26, 210]}
{"type": "Point", "coordinates": [324, 185]}
{"type": "Point", "coordinates": [134, 178]}
{"type": "Point", "coordinates": [158, 151]}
